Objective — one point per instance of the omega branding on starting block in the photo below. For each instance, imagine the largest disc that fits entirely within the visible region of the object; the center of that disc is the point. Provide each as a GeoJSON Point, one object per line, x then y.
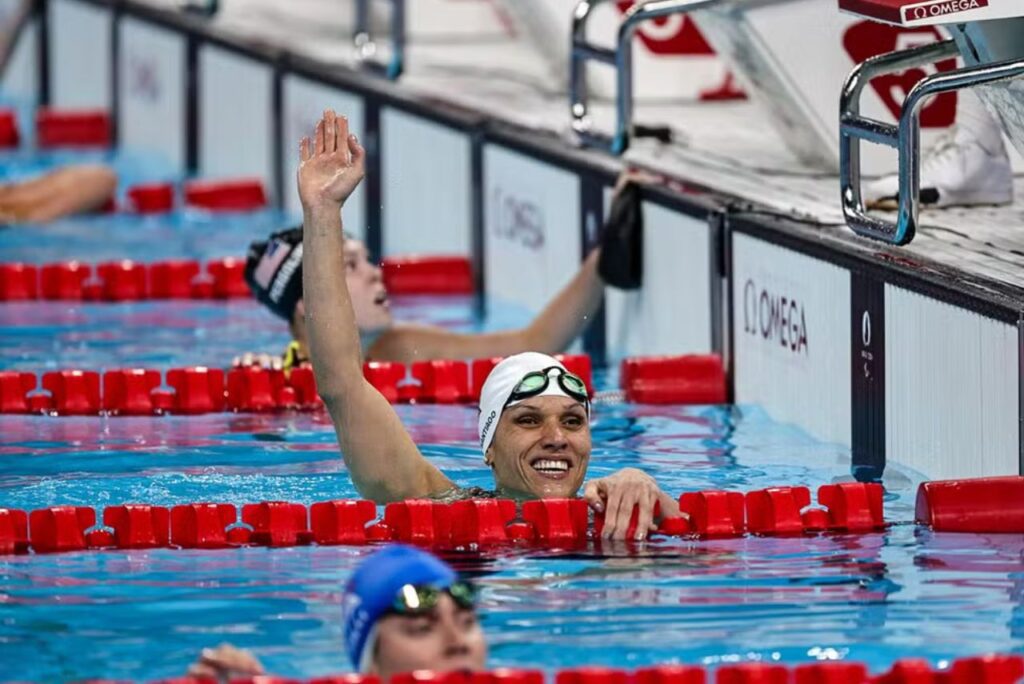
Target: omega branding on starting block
{"type": "Point", "coordinates": [940, 8]}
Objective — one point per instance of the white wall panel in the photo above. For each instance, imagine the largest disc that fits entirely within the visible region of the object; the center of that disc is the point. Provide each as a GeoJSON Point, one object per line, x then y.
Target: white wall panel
{"type": "Point", "coordinates": [151, 83]}
{"type": "Point", "coordinates": [531, 219]}
{"type": "Point", "coordinates": [235, 116]}
{"type": "Point", "coordinates": [304, 102]}
{"type": "Point", "coordinates": [21, 77]}
{"type": "Point", "coordinates": [791, 327]}
{"type": "Point", "coordinates": [671, 313]}
{"type": "Point", "coordinates": [79, 54]}
{"type": "Point", "coordinates": [952, 379]}
{"type": "Point", "coordinates": [427, 187]}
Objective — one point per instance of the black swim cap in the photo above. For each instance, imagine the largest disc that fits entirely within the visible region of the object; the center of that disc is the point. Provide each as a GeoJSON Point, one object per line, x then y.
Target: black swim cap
{"type": "Point", "coordinates": [273, 270]}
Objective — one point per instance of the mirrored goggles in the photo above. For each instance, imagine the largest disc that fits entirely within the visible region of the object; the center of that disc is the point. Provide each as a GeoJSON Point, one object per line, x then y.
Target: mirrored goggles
{"type": "Point", "coordinates": [412, 599]}
{"type": "Point", "coordinates": [536, 382]}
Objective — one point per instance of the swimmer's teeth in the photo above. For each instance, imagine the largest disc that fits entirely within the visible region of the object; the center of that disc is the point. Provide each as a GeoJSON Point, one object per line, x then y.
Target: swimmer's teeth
{"type": "Point", "coordinates": [559, 466]}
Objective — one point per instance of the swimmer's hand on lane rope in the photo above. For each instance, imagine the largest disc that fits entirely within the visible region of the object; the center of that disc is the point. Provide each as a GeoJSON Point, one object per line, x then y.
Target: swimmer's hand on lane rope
{"type": "Point", "coordinates": [331, 165]}
{"type": "Point", "coordinates": [616, 495]}
{"type": "Point", "coordinates": [225, 663]}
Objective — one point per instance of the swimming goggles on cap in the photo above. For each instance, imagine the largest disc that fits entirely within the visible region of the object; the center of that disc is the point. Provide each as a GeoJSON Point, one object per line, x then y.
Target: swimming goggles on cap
{"type": "Point", "coordinates": [536, 382]}
{"type": "Point", "coordinates": [414, 600]}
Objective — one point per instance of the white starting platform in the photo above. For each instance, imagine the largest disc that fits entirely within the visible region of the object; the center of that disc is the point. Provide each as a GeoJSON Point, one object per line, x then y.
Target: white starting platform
{"type": "Point", "coordinates": [477, 120]}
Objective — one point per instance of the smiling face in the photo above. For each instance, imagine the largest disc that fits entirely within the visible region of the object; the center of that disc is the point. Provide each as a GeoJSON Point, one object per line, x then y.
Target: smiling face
{"type": "Point", "coordinates": [443, 639]}
{"type": "Point", "coordinates": [541, 448]}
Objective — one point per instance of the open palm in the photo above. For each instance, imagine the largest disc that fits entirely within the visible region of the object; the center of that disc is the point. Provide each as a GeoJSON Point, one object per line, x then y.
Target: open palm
{"type": "Point", "coordinates": [331, 165]}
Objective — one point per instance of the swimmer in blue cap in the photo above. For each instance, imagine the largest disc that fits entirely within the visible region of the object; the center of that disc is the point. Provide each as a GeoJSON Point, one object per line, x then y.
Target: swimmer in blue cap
{"type": "Point", "coordinates": [403, 610]}
{"type": "Point", "coordinates": [534, 424]}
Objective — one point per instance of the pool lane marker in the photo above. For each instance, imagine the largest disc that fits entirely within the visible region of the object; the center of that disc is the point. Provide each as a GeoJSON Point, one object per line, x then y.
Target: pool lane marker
{"type": "Point", "coordinates": [692, 379]}
{"type": "Point", "coordinates": [462, 525]}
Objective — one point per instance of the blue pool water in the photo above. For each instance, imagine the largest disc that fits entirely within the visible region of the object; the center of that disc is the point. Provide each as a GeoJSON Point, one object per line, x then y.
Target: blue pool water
{"type": "Point", "coordinates": [146, 614]}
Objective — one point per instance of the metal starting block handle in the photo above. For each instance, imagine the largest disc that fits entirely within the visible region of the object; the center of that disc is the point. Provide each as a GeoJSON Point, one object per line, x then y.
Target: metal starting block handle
{"type": "Point", "coordinates": [621, 57]}
{"type": "Point", "coordinates": [366, 48]}
{"type": "Point", "coordinates": [904, 137]}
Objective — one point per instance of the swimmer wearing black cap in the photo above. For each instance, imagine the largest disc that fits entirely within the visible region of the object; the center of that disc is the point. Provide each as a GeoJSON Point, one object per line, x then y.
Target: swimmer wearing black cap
{"type": "Point", "coordinates": [535, 420]}
{"type": "Point", "coordinates": [403, 610]}
{"type": "Point", "coordinates": [274, 269]}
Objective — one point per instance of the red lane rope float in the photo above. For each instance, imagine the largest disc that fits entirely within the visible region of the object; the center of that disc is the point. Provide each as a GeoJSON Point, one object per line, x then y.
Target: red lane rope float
{"type": "Point", "coordinates": [691, 379]}
{"type": "Point", "coordinates": [236, 194]}
{"type": "Point", "coordinates": [10, 136]}
{"type": "Point", "coordinates": [472, 523]}
{"type": "Point", "coordinates": [990, 504]}
{"type": "Point", "coordinates": [124, 281]}
{"type": "Point", "coordinates": [428, 275]}
{"type": "Point", "coordinates": [985, 669]}
{"type": "Point", "coordinates": [72, 127]}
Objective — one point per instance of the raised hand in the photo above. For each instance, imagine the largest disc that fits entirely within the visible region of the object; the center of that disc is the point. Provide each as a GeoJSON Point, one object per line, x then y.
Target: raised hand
{"type": "Point", "coordinates": [331, 165]}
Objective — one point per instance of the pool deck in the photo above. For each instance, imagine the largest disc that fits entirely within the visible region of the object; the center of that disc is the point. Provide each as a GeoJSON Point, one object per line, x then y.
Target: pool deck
{"type": "Point", "coordinates": [479, 63]}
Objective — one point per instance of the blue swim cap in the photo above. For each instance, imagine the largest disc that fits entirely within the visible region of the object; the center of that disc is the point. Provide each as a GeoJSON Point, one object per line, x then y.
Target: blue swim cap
{"type": "Point", "coordinates": [372, 589]}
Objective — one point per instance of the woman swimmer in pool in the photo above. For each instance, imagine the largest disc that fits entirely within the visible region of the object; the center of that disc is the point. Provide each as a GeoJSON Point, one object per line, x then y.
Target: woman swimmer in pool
{"type": "Point", "coordinates": [535, 416]}
{"type": "Point", "coordinates": [403, 610]}
{"type": "Point", "coordinates": [274, 269]}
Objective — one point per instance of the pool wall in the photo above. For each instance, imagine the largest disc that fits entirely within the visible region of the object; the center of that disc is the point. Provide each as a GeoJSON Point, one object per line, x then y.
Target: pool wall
{"type": "Point", "coordinates": [856, 343]}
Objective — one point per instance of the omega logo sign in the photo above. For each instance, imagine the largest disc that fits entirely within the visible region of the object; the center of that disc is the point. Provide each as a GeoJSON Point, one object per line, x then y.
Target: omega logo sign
{"type": "Point", "coordinates": [774, 317]}
{"type": "Point", "coordinates": [941, 8]}
{"type": "Point", "coordinates": [143, 78]}
{"type": "Point", "coordinates": [517, 219]}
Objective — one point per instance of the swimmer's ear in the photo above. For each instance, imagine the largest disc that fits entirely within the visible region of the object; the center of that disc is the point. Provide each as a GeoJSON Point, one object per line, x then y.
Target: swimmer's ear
{"type": "Point", "coordinates": [488, 459]}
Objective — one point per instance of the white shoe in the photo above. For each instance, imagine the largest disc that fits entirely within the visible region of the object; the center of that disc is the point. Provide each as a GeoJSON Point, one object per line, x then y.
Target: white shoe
{"type": "Point", "coordinates": [957, 171]}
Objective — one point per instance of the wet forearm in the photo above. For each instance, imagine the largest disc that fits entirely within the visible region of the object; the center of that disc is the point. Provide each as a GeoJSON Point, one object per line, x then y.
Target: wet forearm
{"type": "Point", "coordinates": [330, 321]}
{"type": "Point", "coordinates": [569, 313]}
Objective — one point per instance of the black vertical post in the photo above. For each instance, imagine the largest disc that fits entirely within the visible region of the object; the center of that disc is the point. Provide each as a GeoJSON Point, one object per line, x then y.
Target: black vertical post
{"type": "Point", "coordinates": [374, 180]}
{"type": "Point", "coordinates": [192, 128]}
{"type": "Point", "coordinates": [115, 72]}
{"type": "Point", "coordinates": [277, 150]}
{"type": "Point", "coordinates": [478, 238]}
{"type": "Point", "coordinates": [729, 336]}
{"type": "Point", "coordinates": [716, 262]}
{"type": "Point", "coordinates": [43, 56]}
{"type": "Point", "coordinates": [595, 342]}
{"type": "Point", "coordinates": [867, 343]}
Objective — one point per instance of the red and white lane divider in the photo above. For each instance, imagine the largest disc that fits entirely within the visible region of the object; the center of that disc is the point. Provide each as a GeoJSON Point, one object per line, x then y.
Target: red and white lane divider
{"type": "Point", "coordinates": [986, 669]}
{"type": "Point", "coordinates": [474, 523]}
{"type": "Point", "coordinates": [200, 389]}
{"type": "Point", "coordinates": [126, 280]}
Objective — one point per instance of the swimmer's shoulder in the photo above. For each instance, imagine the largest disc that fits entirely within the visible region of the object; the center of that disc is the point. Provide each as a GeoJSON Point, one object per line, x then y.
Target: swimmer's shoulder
{"type": "Point", "coordinates": [457, 493]}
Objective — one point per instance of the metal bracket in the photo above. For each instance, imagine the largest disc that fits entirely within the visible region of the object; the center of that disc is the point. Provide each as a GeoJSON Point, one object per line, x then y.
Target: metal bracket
{"type": "Point", "coordinates": [904, 137]}
{"type": "Point", "coordinates": [366, 48]}
{"type": "Point", "coordinates": [621, 57]}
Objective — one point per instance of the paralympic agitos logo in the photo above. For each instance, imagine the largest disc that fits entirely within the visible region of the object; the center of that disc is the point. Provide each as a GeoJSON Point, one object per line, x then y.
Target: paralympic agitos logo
{"type": "Point", "coordinates": [774, 317]}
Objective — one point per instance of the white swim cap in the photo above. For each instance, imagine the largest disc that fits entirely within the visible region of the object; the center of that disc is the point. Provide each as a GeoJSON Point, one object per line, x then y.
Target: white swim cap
{"type": "Point", "coordinates": [500, 384]}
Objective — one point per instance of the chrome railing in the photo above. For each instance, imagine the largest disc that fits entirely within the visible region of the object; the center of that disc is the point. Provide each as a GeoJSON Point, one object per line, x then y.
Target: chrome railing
{"type": "Point", "coordinates": [621, 57]}
{"type": "Point", "coordinates": [366, 48]}
{"type": "Point", "coordinates": [905, 136]}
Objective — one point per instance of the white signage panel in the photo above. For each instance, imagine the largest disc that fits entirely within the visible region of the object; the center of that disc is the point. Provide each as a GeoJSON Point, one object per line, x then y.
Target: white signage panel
{"type": "Point", "coordinates": [235, 116]}
{"type": "Point", "coordinates": [791, 329]}
{"type": "Point", "coordinates": [671, 313]}
{"type": "Point", "coordinates": [79, 47]}
{"type": "Point", "coordinates": [426, 199]}
{"type": "Point", "coordinates": [952, 389]}
{"type": "Point", "coordinates": [531, 227]}
{"type": "Point", "coordinates": [152, 85]}
{"type": "Point", "coordinates": [303, 103]}
{"type": "Point", "coordinates": [21, 77]}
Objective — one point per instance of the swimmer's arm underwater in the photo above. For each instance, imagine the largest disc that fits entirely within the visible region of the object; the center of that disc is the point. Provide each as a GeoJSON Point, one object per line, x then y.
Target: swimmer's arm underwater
{"type": "Point", "coordinates": [554, 328]}
{"type": "Point", "coordinates": [382, 458]}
